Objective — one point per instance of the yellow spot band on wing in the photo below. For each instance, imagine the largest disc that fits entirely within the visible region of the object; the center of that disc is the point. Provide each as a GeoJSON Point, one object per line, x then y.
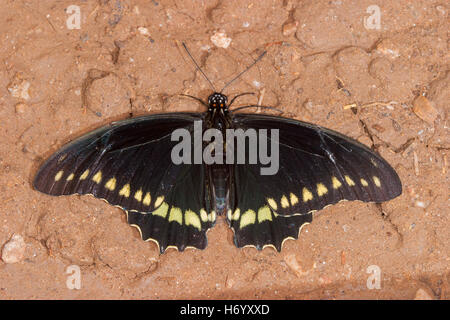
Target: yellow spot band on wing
{"type": "Point", "coordinates": [97, 178]}
{"type": "Point", "coordinates": [59, 175]}
{"type": "Point", "coordinates": [84, 175]}
{"type": "Point", "coordinates": [377, 181]}
{"type": "Point", "coordinates": [349, 181]}
{"type": "Point", "coordinates": [336, 183]}
{"type": "Point", "coordinates": [162, 210]}
{"type": "Point", "coordinates": [364, 182]}
{"type": "Point", "coordinates": [158, 201]}
{"type": "Point", "coordinates": [111, 184]}
{"type": "Point", "coordinates": [272, 203]}
{"type": "Point", "coordinates": [248, 218]}
{"type": "Point", "coordinates": [138, 195]}
{"type": "Point", "coordinates": [264, 214]}
{"type": "Point", "coordinates": [70, 177]}
{"type": "Point", "coordinates": [212, 216]}
{"type": "Point", "coordinates": [125, 191]}
{"type": "Point", "coordinates": [203, 215]}
{"type": "Point", "coordinates": [307, 195]}
{"type": "Point", "coordinates": [229, 214]}
{"type": "Point", "coordinates": [192, 219]}
{"type": "Point", "coordinates": [321, 189]}
{"type": "Point", "coordinates": [284, 202]}
{"type": "Point", "coordinates": [147, 199]}
{"type": "Point", "coordinates": [236, 214]}
{"type": "Point", "coordinates": [175, 215]}
{"type": "Point", "coordinates": [294, 199]}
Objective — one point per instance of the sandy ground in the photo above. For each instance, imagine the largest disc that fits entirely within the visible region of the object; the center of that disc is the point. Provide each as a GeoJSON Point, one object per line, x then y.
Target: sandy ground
{"type": "Point", "coordinates": [57, 83]}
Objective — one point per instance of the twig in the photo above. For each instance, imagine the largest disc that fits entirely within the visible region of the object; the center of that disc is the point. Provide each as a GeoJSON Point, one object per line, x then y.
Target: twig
{"type": "Point", "coordinates": [261, 97]}
{"type": "Point", "coordinates": [416, 163]}
{"type": "Point", "coordinates": [354, 105]}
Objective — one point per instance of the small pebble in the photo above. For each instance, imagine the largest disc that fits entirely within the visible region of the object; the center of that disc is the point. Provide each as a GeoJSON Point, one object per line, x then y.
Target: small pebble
{"type": "Point", "coordinates": [206, 47]}
{"type": "Point", "coordinates": [292, 263]}
{"type": "Point", "coordinates": [388, 48]}
{"type": "Point", "coordinates": [423, 108]}
{"type": "Point", "coordinates": [14, 249]}
{"type": "Point", "coordinates": [229, 283]}
{"type": "Point", "coordinates": [422, 294]}
{"type": "Point", "coordinates": [420, 204]}
{"type": "Point", "coordinates": [220, 39]}
{"type": "Point", "coordinates": [256, 83]}
{"type": "Point", "coordinates": [21, 108]}
{"type": "Point", "coordinates": [325, 280]}
{"type": "Point", "coordinates": [143, 31]}
{"type": "Point", "coordinates": [441, 10]}
{"type": "Point", "coordinates": [290, 28]}
{"type": "Point", "coordinates": [19, 88]}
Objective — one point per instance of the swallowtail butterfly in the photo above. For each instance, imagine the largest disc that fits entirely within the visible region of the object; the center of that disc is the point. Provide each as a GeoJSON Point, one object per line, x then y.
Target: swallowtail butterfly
{"type": "Point", "coordinates": [128, 163]}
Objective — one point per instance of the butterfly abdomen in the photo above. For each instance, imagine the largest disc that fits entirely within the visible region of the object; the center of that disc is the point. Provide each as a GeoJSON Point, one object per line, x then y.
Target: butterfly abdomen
{"type": "Point", "coordinates": [220, 185]}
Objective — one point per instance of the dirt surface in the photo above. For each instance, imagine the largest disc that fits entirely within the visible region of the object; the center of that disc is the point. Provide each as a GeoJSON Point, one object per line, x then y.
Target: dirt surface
{"type": "Point", "coordinates": [57, 83]}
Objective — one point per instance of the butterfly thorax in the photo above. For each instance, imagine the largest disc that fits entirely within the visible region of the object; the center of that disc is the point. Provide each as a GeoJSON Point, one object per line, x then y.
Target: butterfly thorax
{"type": "Point", "coordinates": [219, 117]}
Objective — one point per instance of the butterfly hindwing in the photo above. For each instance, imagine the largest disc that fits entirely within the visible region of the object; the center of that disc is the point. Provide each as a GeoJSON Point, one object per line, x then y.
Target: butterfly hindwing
{"type": "Point", "coordinates": [181, 220]}
{"type": "Point", "coordinates": [253, 220]}
{"type": "Point", "coordinates": [317, 167]}
{"type": "Point", "coordinates": [128, 163]}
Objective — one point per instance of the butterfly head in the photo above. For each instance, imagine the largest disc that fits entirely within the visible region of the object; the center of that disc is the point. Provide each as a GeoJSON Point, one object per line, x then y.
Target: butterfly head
{"type": "Point", "coordinates": [218, 101]}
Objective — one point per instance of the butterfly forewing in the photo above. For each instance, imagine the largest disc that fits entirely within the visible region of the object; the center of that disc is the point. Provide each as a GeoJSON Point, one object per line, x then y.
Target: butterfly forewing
{"type": "Point", "coordinates": [128, 163]}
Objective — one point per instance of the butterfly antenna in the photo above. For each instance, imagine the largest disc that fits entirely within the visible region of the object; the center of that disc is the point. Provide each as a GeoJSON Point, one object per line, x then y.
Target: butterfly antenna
{"type": "Point", "coordinates": [259, 107]}
{"type": "Point", "coordinates": [244, 71]}
{"type": "Point", "coordinates": [195, 98]}
{"type": "Point", "coordinates": [240, 95]}
{"type": "Point", "coordinates": [198, 67]}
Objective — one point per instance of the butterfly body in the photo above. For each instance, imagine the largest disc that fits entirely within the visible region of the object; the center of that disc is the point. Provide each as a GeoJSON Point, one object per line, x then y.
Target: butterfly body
{"type": "Point", "coordinates": [219, 117]}
{"type": "Point", "coordinates": [129, 164]}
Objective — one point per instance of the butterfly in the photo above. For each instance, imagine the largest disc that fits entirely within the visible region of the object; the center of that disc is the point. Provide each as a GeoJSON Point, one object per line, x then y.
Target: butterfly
{"type": "Point", "coordinates": [129, 164]}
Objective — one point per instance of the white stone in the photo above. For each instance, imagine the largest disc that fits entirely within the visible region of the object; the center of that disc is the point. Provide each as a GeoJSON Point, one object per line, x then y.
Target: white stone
{"type": "Point", "coordinates": [220, 39]}
{"type": "Point", "coordinates": [20, 90]}
{"type": "Point", "coordinates": [14, 249]}
{"type": "Point", "coordinates": [143, 31]}
{"type": "Point", "coordinates": [422, 294]}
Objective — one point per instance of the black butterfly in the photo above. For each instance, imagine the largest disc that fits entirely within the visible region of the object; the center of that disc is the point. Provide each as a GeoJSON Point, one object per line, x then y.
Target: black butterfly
{"type": "Point", "coordinates": [128, 163]}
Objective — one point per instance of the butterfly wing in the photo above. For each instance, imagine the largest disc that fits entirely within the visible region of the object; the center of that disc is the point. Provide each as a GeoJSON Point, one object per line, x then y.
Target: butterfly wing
{"type": "Point", "coordinates": [317, 167]}
{"type": "Point", "coordinates": [128, 164]}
